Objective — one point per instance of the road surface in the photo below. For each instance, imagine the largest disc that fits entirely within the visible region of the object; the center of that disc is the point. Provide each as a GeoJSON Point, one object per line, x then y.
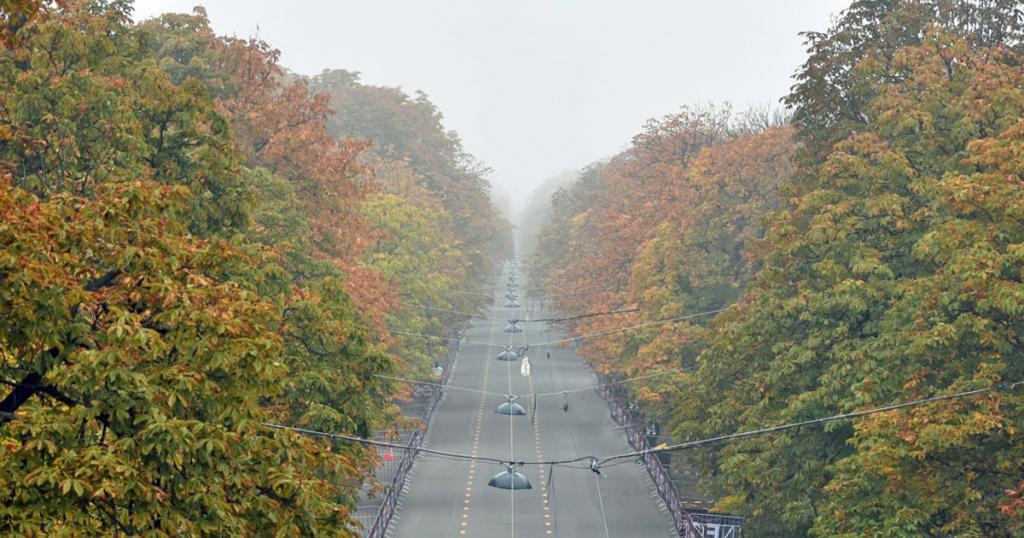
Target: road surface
{"type": "Point", "coordinates": [448, 497]}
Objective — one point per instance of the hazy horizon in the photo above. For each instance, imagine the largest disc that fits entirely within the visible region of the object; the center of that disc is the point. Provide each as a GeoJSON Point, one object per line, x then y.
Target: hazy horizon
{"type": "Point", "coordinates": [605, 68]}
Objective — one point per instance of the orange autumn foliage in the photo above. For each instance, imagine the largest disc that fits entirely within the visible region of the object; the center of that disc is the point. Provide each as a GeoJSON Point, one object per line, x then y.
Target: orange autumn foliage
{"type": "Point", "coordinates": [669, 226]}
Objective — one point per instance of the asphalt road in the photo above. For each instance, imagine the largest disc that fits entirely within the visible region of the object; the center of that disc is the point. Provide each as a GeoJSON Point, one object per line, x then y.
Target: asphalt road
{"type": "Point", "coordinates": [447, 497]}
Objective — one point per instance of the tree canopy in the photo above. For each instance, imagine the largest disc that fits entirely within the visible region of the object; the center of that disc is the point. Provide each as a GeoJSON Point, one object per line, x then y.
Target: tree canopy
{"type": "Point", "coordinates": [196, 242]}
{"type": "Point", "coordinates": [868, 253]}
{"type": "Point", "coordinates": [188, 252]}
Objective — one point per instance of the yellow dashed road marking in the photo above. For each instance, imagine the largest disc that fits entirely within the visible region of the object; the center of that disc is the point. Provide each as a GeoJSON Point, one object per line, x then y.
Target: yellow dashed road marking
{"type": "Point", "coordinates": [476, 437]}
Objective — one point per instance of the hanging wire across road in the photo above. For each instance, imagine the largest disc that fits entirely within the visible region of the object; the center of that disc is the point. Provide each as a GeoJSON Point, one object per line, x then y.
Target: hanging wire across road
{"type": "Point", "coordinates": [598, 461]}
{"type": "Point", "coordinates": [433, 336]}
{"type": "Point", "coordinates": [553, 393]}
{"type": "Point", "coordinates": [613, 289]}
{"type": "Point", "coordinates": [599, 385]}
{"type": "Point", "coordinates": [385, 444]}
{"type": "Point", "coordinates": [600, 501]}
{"type": "Point", "coordinates": [814, 421]}
{"type": "Point", "coordinates": [580, 337]}
{"type": "Point", "coordinates": [445, 310]}
{"type": "Point", "coordinates": [581, 316]}
{"type": "Point", "coordinates": [439, 385]}
{"type": "Point", "coordinates": [634, 327]}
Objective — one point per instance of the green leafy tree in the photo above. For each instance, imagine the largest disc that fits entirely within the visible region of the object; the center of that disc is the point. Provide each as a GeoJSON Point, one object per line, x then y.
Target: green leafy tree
{"type": "Point", "coordinates": [408, 129]}
{"type": "Point", "coordinates": [847, 64]}
{"type": "Point", "coordinates": [137, 365]}
{"type": "Point", "coordinates": [83, 104]}
{"type": "Point", "coordinates": [307, 189]}
{"type": "Point", "coordinates": [896, 277]}
{"type": "Point", "coordinates": [703, 259]}
{"type": "Point", "coordinates": [415, 258]}
{"type": "Point", "coordinates": [155, 327]}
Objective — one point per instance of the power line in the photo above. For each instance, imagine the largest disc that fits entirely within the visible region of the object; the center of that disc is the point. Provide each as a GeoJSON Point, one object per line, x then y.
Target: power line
{"type": "Point", "coordinates": [632, 327]}
{"type": "Point", "coordinates": [439, 385]}
{"type": "Point", "coordinates": [385, 444]}
{"type": "Point", "coordinates": [582, 336]}
{"type": "Point", "coordinates": [614, 289]}
{"type": "Point", "coordinates": [435, 309]}
{"type": "Point", "coordinates": [429, 336]}
{"type": "Point", "coordinates": [599, 385]}
{"type": "Point", "coordinates": [468, 292]}
{"type": "Point", "coordinates": [511, 446]}
{"type": "Point", "coordinates": [581, 316]}
{"type": "Point", "coordinates": [600, 461]}
{"type": "Point", "coordinates": [600, 501]}
{"type": "Point", "coordinates": [814, 421]}
{"type": "Point", "coordinates": [584, 293]}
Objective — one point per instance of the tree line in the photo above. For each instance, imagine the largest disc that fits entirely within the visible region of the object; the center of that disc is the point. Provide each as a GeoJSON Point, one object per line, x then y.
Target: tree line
{"type": "Point", "coordinates": [195, 241]}
{"type": "Point", "coordinates": [868, 244]}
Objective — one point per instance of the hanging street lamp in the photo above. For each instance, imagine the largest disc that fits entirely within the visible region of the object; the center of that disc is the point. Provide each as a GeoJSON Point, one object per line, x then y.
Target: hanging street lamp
{"type": "Point", "coordinates": [510, 407]}
{"type": "Point", "coordinates": [510, 479]}
{"type": "Point", "coordinates": [508, 354]}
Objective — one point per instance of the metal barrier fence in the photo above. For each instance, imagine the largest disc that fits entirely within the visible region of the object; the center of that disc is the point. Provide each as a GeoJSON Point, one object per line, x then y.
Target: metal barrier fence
{"type": "Point", "coordinates": [687, 524]}
{"type": "Point", "coordinates": [394, 490]}
{"type": "Point", "coordinates": [387, 507]}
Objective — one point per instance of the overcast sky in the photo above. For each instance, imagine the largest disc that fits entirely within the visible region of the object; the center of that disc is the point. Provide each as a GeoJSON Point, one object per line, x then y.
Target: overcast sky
{"type": "Point", "coordinates": [534, 87]}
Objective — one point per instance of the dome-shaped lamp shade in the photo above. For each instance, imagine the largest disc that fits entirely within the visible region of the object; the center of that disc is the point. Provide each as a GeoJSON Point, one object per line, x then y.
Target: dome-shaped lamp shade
{"type": "Point", "coordinates": [510, 480]}
{"type": "Point", "coordinates": [510, 408]}
{"type": "Point", "coordinates": [513, 328]}
{"type": "Point", "coordinates": [508, 355]}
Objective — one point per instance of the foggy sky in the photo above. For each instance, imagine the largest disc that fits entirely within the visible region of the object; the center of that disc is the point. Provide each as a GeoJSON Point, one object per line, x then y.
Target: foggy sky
{"type": "Point", "coordinates": [534, 87]}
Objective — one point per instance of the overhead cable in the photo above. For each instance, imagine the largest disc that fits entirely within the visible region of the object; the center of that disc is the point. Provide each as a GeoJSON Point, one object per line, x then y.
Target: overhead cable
{"type": "Point", "coordinates": [434, 336]}
{"type": "Point", "coordinates": [600, 501]}
{"type": "Point", "coordinates": [439, 385]}
{"type": "Point", "coordinates": [581, 316]}
{"type": "Point", "coordinates": [435, 309]}
{"type": "Point", "coordinates": [599, 385]}
{"type": "Point", "coordinates": [814, 421]}
{"type": "Point", "coordinates": [633, 327]}
{"type": "Point", "coordinates": [600, 461]}
{"type": "Point", "coordinates": [582, 336]}
{"type": "Point", "coordinates": [385, 444]}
